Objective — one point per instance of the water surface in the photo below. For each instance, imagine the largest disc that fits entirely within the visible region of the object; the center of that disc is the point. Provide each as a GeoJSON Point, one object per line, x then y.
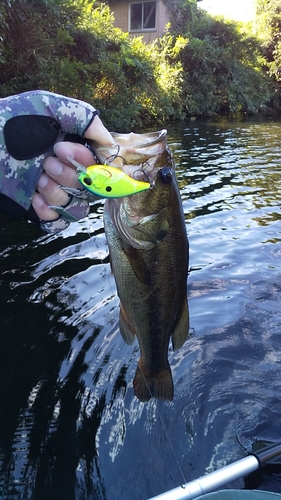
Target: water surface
{"type": "Point", "coordinates": [70, 426]}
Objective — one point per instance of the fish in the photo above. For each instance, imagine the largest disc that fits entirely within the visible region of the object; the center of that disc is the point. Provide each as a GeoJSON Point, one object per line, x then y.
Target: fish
{"type": "Point", "coordinates": [149, 253]}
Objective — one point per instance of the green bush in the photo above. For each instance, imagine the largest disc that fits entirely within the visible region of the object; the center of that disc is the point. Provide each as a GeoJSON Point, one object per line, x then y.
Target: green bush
{"type": "Point", "coordinates": [200, 66]}
{"type": "Point", "coordinates": [223, 68]}
{"type": "Point", "coordinates": [71, 47]}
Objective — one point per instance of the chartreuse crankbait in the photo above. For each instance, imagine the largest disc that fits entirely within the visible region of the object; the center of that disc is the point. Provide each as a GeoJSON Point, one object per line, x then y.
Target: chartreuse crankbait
{"type": "Point", "coordinates": [107, 181]}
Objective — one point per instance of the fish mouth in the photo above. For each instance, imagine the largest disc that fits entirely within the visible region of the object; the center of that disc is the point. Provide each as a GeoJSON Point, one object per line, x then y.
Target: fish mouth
{"type": "Point", "coordinates": [134, 154]}
{"type": "Point", "coordinates": [139, 141]}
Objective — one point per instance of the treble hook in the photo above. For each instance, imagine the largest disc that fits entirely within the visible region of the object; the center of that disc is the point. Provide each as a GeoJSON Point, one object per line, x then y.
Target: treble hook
{"type": "Point", "coordinates": [110, 159]}
{"type": "Point", "coordinates": [151, 182]}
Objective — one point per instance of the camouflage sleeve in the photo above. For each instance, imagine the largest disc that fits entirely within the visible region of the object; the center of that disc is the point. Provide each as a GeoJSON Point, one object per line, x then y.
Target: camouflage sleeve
{"type": "Point", "coordinates": [19, 178]}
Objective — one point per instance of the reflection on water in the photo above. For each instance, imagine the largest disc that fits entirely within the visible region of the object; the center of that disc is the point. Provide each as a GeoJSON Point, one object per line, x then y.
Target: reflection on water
{"type": "Point", "coordinates": [70, 426]}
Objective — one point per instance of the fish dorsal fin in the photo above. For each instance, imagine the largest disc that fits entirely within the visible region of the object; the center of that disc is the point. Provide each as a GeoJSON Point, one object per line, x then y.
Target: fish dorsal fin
{"type": "Point", "coordinates": [180, 333]}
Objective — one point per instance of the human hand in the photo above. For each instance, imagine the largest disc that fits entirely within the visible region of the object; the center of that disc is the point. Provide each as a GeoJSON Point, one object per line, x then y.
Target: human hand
{"type": "Point", "coordinates": [26, 190]}
{"type": "Point", "coordinates": [58, 171]}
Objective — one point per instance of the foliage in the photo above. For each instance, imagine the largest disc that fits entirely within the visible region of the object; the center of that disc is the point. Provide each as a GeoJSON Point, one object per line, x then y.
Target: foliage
{"type": "Point", "coordinates": [71, 47]}
{"type": "Point", "coordinates": [182, 14]}
{"type": "Point", "coordinates": [223, 67]}
{"type": "Point", "coordinates": [200, 66]}
{"type": "Point", "coordinates": [165, 99]}
{"type": "Point", "coordinates": [268, 29]}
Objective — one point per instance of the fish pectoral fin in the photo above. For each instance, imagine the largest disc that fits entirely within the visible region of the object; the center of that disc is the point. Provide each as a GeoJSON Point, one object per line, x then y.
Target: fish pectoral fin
{"type": "Point", "coordinates": [148, 384]}
{"type": "Point", "coordinates": [180, 333]}
{"type": "Point", "coordinates": [125, 329]}
{"type": "Point", "coordinates": [138, 265]}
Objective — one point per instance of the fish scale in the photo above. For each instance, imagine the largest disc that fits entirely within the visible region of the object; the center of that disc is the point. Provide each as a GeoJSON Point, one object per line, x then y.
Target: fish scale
{"type": "Point", "coordinates": [148, 247]}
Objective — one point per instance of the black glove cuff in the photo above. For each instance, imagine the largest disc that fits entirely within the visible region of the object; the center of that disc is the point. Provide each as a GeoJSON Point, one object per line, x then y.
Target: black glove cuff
{"type": "Point", "coordinates": [12, 209]}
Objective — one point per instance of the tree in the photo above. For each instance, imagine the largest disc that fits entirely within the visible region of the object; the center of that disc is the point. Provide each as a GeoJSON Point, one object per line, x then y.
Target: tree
{"type": "Point", "coordinates": [268, 29]}
{"type": "Point", "coordinates": [223, 68]}
{"type": "Point", "coordinates": [72, 47]}
{"type": "Point", "coordinates": [201, 65]}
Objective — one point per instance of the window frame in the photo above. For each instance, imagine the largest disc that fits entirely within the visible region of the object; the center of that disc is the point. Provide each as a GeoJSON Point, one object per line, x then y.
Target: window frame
{"type": "Point", "coordinates": [142, 29]}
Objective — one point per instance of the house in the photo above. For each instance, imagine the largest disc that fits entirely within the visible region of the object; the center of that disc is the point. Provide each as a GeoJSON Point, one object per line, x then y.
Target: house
{"type": "Point", "coordinates": [146, 18]}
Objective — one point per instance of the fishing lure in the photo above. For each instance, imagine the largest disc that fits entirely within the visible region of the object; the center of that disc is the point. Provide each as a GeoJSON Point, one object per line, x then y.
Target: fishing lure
{"type": "Point", "coordinates": [107, 181]}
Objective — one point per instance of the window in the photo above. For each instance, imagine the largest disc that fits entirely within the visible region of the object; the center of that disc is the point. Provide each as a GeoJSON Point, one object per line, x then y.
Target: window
{"type": "Point", "coordinates": [142, 16]}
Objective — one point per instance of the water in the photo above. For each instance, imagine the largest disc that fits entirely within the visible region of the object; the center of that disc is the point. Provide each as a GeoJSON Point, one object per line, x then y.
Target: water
{"type": "Point", "coordinates": [70, 426]}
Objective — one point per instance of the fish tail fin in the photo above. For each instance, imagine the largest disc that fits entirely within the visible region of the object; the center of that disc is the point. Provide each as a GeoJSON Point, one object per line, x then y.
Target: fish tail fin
{"type": "Point", "coordinates": [148, 384]}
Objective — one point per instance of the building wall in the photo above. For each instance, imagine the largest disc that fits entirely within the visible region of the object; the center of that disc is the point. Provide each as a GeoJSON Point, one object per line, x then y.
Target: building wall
{"type": "Point", "coordinates": [120, 10]}
{"type": "Point", "coordinates": [121, 15]}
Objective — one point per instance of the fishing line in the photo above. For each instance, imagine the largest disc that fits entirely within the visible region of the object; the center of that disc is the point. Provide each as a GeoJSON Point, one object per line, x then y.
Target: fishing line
{"type": "Point", "coordinates": [101, 258]}
{"type": "Point", "coordinates": [172, 448]}
{"type": "Point", "coordinates": [151, 182]}
{"type": "Point", "coordinates": [148, 388]}
{"type": "Point", "coordinates": [114, 294]}
{"type": "Point", "coordinates": [113, 157]}
{"type": "Point", "coordinates": [165, 432]}
{"type": "Point", "coordinates": [110, 158]}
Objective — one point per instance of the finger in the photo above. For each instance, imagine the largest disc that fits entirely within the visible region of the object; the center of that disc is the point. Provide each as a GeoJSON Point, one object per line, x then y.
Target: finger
{"type": "Point", "coordinates": [78, 152]}
{"type": "Point", "coordinates": [42, 209]}
{"type": "Point", "coordinates": [60, 169]}
{"type": "Point", "coordinates": [51, 192]}
{"type": "Point", "coordinates": [60, 173]}
{"type": "Point", "coordinates": [98, 133]}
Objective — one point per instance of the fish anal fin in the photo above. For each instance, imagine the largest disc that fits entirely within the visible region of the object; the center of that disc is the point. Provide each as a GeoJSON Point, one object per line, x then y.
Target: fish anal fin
{"type": "Point", "coordinates": [125, 328]}
{"type": "Point", "coordinates": [180, 332]}
{"type": "Point", "coordinates": [138, 265]}
{"type": "Point", "coordinates": [148, 384]}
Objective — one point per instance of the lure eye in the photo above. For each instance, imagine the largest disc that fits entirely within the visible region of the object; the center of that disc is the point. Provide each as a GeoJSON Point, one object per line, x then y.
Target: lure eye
{"type": "Point", "coordinates": [108, 189]}
{"type": "Point", "coordinates": [165, 175]}
{"type": "Point", "coordinates": [87, 181]}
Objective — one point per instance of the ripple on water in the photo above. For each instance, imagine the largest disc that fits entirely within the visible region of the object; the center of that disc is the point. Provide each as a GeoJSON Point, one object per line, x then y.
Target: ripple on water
{"type": "Point", "coordinates": [69, 421]}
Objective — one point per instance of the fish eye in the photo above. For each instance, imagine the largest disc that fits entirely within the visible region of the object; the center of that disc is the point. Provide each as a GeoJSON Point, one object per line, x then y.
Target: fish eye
{"type": "Point", "coordinates": [87, 181]}
{"type": "Point", "coordinates": [165, 175]}
{"type": "Point", "coordinates": [108, 189]}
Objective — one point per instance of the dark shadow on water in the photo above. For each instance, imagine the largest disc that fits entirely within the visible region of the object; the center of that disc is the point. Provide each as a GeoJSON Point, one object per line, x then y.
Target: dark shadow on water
{"type": "Point", "coordinates": [70, 426]}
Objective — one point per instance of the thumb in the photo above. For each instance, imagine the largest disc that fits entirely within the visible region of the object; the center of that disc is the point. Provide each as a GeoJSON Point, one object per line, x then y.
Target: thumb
{"type": "Point", "coordinates": [98, 134]}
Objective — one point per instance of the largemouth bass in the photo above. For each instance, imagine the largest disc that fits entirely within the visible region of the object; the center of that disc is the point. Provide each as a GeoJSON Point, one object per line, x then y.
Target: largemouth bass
{"type": "Point", "coordinates": [148, 246]}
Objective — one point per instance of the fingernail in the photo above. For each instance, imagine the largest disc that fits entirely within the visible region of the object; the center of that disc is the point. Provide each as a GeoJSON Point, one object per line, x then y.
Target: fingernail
{"type": "Point", "coordinates": [53, 167]}
{"type": "Point", "coordinates": [38, 201]}
{"type": "Point", "coordinates": [62, 149]}
{"type": "Point", "coordinates": [43, 181]}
